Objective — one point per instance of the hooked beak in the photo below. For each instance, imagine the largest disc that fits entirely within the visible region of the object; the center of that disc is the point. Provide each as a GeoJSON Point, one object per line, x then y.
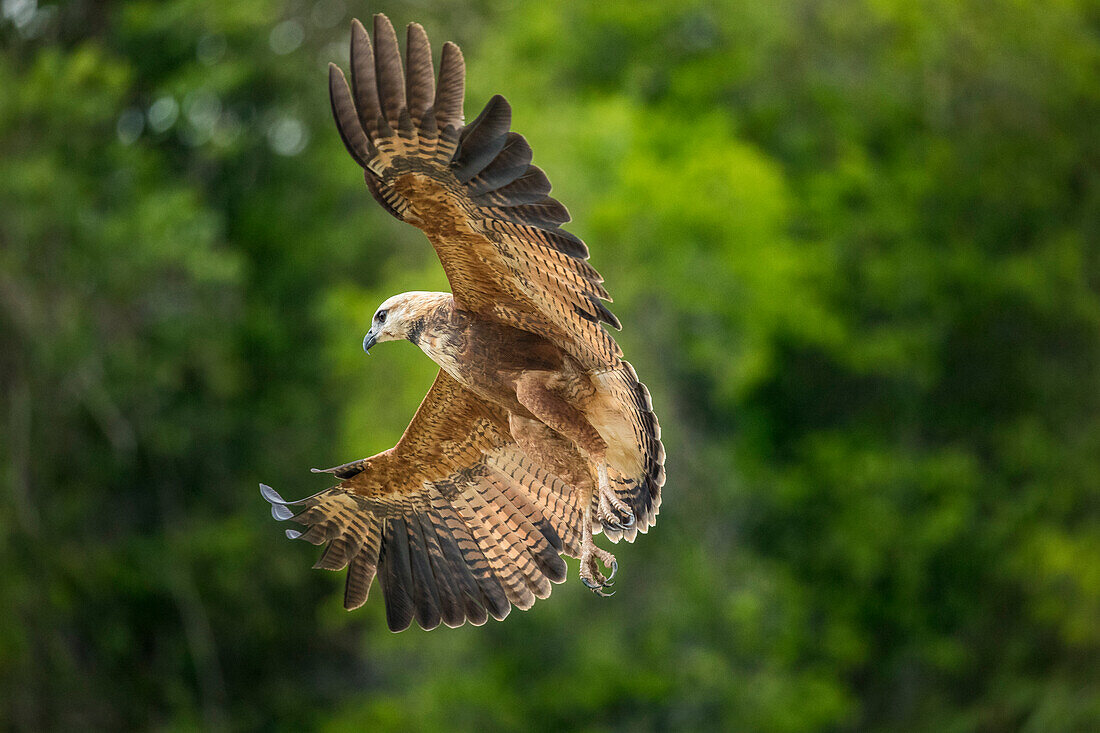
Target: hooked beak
{"type": "Point", "coordinates": [368, 341]}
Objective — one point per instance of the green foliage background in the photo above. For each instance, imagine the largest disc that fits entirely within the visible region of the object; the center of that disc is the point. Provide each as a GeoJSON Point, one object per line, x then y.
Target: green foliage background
{"type": "Point", "coordinates": [854, 244]}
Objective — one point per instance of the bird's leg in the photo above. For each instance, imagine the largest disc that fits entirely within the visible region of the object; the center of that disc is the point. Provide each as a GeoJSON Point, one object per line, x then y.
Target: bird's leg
{"type": "Point", "coordinates": [612, 511]}
{"type": "Point", "coordinates": [564, 418]}
{"type": "Point", "coordinates": [560, 415]}
{"type": "Point", "coordinates": [591, 576]}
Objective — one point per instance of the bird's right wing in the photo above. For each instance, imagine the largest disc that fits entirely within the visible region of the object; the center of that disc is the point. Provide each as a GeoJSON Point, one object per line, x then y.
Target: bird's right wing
{"type": "Point", "coordinates": [457, 522]}
{"type": "Point", "coordinates": [472, 190]}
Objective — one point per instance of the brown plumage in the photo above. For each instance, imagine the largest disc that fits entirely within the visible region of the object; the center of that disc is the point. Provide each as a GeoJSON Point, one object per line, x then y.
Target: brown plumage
{"type": "Point", "coordinates": [535, 433]}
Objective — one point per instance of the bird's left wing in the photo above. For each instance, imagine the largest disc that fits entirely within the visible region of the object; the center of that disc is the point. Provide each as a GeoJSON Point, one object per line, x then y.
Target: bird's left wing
{"type": "Point", "coordinates": [456, 520]}
{"type": "Point", "coordinates": [471, 189]}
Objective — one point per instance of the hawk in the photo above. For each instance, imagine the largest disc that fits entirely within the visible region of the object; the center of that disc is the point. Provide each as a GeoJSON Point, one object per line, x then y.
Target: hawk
{"type": "Point", "coordinates": [535, 435]}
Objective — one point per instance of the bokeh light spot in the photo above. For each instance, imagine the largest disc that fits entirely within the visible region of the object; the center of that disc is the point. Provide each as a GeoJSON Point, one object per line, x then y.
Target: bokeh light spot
{"type": "Point", "coordinates": [163, 113]}
{"type": "Point", "coordinates": [286, 37]}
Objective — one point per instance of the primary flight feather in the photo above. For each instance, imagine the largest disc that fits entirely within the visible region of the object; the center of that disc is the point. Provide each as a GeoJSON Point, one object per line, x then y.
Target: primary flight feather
{"type": "Point", "coordinates": [535, 434]}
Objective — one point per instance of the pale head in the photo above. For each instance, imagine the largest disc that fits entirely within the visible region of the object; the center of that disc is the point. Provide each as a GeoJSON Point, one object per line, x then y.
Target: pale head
{"type": "Point", "coordinates": [402, 316]}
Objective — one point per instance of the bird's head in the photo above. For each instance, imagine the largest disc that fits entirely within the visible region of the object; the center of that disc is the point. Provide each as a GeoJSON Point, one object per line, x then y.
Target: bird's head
{"type": "Point", "coordinates": [402, 317]}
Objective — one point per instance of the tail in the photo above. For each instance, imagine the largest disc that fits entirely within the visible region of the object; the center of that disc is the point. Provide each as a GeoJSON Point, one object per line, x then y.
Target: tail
{"type": "Point", "coordinates": [639, 489]}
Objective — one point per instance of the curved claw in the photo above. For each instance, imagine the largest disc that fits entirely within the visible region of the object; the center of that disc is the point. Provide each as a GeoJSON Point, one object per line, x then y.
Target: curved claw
{"type": "Point", "coordinates": [614, 569]}
{"type": "Point", "coordinates": [618, 525]}
{"type": "Point", "coordinates": [599, 589]}
{"type": "Point", "coordinates": [590, 585]}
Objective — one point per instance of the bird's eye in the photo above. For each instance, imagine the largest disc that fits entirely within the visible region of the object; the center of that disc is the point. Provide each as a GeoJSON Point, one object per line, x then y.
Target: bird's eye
{"type": "Point", "coordinates": [380, 316]}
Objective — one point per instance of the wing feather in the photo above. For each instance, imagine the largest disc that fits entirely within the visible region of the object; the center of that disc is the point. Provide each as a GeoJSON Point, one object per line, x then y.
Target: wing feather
{"type": "Point", "coordinates": [451, 91]}
{"type": "Point", "coordinates": [532, 534]}
{"type": "Point", "coordinates": [546, 214]}
{"type": "Point", "coordinates": [420, 84]}
{"type": "Point", "coordinates": [452, 535]}
{"type": "Point", "coordinates": [397, 575]}
{"type": "Point", "coordinates": [425, 592]}
{"type": "Point", "coordinates": [477, 565]}
{"type": "Point", "coordinates": [363, 567]}
{"type": "Point", "coordinates": [388, 70]}
{"type": "Point", "coordinates": [343, 548]}
{"type": "Point", "coordinates": [482, 140]}
{"type": "Point", "coordinates": [559, 503]}
{"type": "Point", "coordinates": [363, 83]}
{"type": "Point", "coordinates": [533, 522]}
{"type": "Point", "coordinates": [450, 600]}
{"type": "Point", "coordinates": [343, 109]}
{"type": "Point", "coordinates": [530, 186]}
{"type": "Point", "coordinates": [453, 565]}
{"type": "Point", "coordinates": [485, 529]}
{"type": "Point", "coordinates": [510, 163]}
{"type": "Point", "coordinates": [472, 189]}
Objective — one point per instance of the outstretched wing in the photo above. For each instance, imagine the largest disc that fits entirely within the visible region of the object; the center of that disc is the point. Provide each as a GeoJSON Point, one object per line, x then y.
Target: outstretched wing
{"type": "Point", "coordinates": [471, 189]}
{"type": "Point", "coordinates": [457, 522]}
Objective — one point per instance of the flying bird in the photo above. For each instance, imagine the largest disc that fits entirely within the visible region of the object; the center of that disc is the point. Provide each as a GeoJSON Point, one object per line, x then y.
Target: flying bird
{"type": "Point", "coordinates": [535, 435]}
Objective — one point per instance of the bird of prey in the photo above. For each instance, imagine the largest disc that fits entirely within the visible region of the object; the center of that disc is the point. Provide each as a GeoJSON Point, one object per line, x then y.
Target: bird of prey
{"type": "Point", "coordinates": [536, 435]}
